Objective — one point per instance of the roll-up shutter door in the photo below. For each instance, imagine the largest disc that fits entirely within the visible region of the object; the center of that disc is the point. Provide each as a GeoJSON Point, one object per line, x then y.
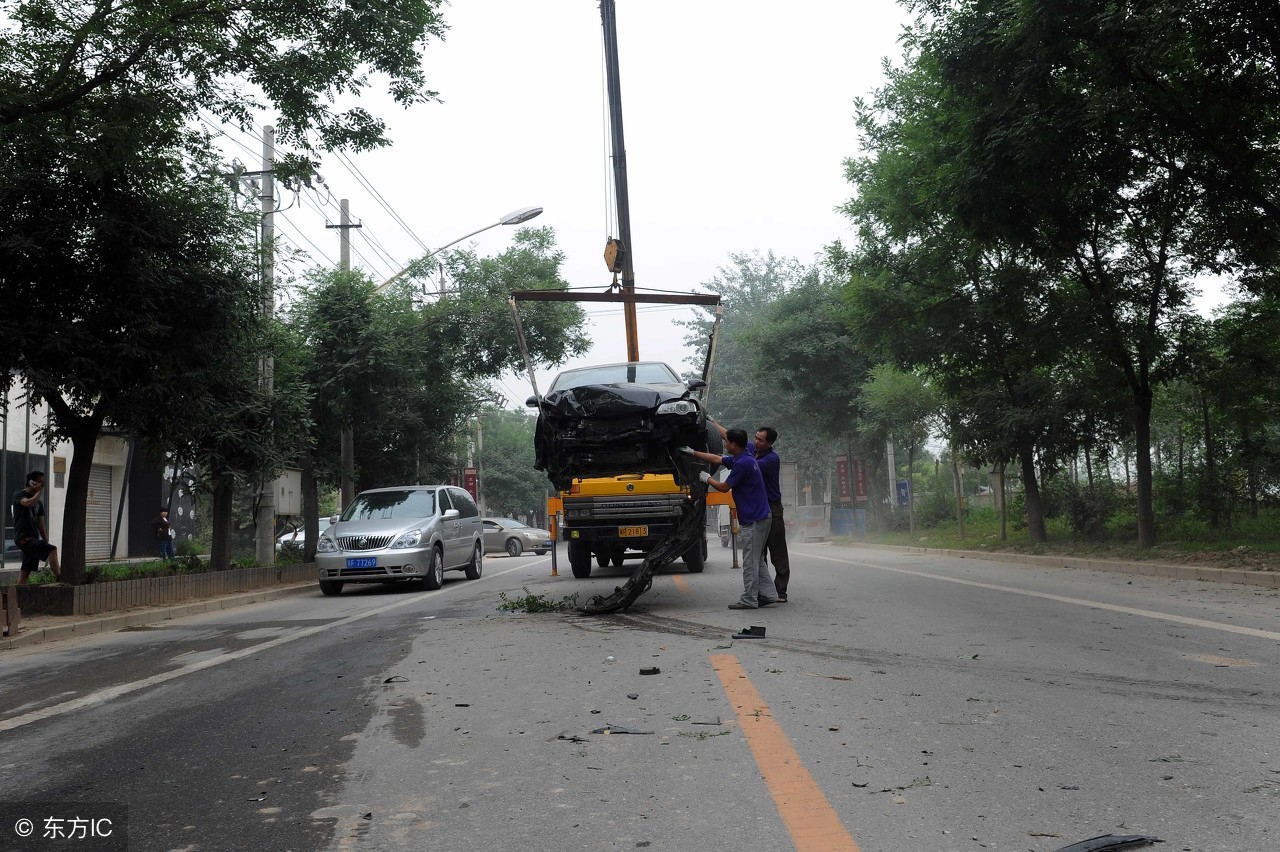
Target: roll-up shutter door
{"type": "Point", "coordinates": [97, 531]}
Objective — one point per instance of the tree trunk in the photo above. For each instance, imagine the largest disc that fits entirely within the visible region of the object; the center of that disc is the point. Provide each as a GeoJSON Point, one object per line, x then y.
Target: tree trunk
{"type": "Point", "coordinates": [220, 550]}
{"type": "Point", "coordinates": [1035, 505]}
{"type": "Point", "coordinates": [310, 506]}
{"type": "Point", "coordinates": [1142, 438]}
{"type": "Point", "coordinates": [872, 467]}
{"type": "Point", "coordinates": [1002, 505]}
{"type": "Point", "coordinates": [1088, 466]}
{"type": "Point", "coordinates": [911, 489]}
{"type": "Point", "coordinates": [71, 552]}
{"type": "Point", "coordinates": [959, 490]}
{"type": "Point", "coordinates": [1212, 492]}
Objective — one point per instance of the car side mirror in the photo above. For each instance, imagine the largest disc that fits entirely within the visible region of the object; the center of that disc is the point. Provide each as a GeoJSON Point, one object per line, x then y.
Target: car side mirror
{"type": "Point", "coordinates": [333, 519]}
{"type": "Point", "coordinates": [696, 384]}
{"type": "Point", "coordinates": [531, 402]}
{"type": "Point", "coordinates": [450, 514]}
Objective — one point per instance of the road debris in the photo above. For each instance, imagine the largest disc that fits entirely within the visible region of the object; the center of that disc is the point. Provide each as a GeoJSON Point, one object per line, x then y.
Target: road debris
{"type": "Point", "coordinates": [1111, 843]}
{"type": "Point", "coordinates": [397, 679]}
{"type": "Point", "coordinates": [650, 670]}
{"type": "Point", "coordinates": [829, 677]}
{"type": "Point", "coordinates": [617, 729]}
{"type": "Point", "coordinates": [755, 631]}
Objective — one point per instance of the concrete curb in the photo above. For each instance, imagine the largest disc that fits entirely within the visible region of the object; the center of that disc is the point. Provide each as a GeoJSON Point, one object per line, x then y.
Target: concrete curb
{"type": "Point", "coordinates": [1265, 579]}
{"type": "Point", "coordinates": [68, 626]}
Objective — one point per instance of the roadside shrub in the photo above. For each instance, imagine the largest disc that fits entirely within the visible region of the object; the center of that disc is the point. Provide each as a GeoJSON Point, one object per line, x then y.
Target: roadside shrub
{"type": "Point", "coordinates": [1090, 507]}
{"type": "Point", "coordinates": [934, 507]}
{"type": "Point", "coordinates": [186, 547]}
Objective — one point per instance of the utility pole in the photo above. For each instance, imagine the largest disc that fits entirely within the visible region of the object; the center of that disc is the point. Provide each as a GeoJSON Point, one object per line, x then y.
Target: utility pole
{"type": "Point", "coordinates": [266, 517]}
{"type": "Point", "coordinates": [893, 475]}
{"type": "Point", "coordinates": [348, 440]}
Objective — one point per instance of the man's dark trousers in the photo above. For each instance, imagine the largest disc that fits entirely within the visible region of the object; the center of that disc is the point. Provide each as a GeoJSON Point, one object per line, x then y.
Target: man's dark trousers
{"type": "Point", "coordinates": [776, 547]}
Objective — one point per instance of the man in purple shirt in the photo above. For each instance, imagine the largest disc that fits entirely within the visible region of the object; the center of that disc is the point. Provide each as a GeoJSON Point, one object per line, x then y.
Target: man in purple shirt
{"type": "Point", "coordinates": [754, 516]}
{"type": "Point", "coordinates": [770, 468]}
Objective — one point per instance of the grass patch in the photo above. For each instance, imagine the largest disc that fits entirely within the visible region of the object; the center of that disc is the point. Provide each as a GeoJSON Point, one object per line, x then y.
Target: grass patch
{"type": "Point", "coordinates": [536, 603]}
{"type": "Point", "coordinates": [1252, 543]}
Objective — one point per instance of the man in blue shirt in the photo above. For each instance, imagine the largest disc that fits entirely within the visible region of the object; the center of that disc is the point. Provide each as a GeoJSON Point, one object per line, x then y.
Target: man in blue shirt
{"type": "Point", "coordinates": [770, 466]}
{"type": "Point", "coordinates": [754, 516]}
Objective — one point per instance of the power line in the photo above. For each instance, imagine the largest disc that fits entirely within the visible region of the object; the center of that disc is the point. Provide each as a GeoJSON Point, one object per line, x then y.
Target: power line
{"type": "Point", "coordinates": [377, 196]}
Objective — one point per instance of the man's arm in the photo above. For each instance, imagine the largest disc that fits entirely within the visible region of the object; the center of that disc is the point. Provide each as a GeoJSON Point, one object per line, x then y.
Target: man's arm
{"type": "Point", "coordinates": [706, 457]}
{"type": "Point", "coordinates": [723, 431]}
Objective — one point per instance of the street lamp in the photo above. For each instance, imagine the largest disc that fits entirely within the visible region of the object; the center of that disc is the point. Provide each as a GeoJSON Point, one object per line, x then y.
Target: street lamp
{"type": "Point", "coordinates": [515, 217]}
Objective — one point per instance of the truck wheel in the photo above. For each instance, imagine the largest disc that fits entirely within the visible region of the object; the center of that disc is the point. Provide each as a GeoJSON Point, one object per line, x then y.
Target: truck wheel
{"type": "Point", "coordinates": [580, 559]}
{"type": "Point", "coordinates": [602, 559]}
{"type": "Point", "coordinates": [330, 587]}
{"type": "Point", "coordinates": [695, 558]}
{"type": "Point", "coordinates": [616, 559]}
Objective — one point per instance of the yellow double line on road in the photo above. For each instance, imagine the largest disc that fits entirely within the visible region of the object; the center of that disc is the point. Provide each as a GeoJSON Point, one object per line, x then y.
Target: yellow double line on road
{"type": "Point", "coordinates": [805, 811]}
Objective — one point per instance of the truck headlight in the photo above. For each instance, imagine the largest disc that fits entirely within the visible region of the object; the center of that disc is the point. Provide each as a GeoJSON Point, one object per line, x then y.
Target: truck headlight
{"type": "Point", "coordinates": [679, 406]}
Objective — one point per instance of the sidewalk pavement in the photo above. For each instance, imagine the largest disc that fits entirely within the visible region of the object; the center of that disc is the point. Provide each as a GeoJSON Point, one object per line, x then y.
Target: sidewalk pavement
{"type": "Point", "coordinates": [1242, 576]}
{"type": "Point", "coordinates": [47, 628]}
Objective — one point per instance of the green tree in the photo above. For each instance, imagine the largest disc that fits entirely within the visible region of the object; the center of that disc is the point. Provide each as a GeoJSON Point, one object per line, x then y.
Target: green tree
{"type": "Point", "coordinates": [296, 58]}
{"type": "Point", "coordinates": [908, 406]}
{"type": "Point", "coordinates": [509, 484]}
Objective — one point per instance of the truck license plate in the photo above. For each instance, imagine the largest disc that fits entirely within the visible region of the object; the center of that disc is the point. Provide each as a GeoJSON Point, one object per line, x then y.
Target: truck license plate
{"type": "Point", "coordinates": [632, 532]}
{"type": "Point", "coordinates": [363, 562]}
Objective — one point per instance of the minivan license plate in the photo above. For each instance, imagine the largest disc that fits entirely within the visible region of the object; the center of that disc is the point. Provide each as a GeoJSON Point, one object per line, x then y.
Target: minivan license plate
{"type": "Point", "coordinates": [632, 532]}
{"type": "Point", "coordinates": [363, 562]}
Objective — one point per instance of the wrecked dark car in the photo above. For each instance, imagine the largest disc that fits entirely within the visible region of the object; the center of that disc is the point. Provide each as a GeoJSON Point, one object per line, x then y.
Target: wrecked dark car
{"type": "Point", "coordinates": [619, 418]}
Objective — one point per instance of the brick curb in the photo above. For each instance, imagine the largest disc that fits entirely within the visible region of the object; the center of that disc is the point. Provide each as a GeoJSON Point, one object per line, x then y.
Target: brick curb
{"type": "Point", "coordinates": [1265, 579]}
{"type": "Point", "coordinates": [83, 626]}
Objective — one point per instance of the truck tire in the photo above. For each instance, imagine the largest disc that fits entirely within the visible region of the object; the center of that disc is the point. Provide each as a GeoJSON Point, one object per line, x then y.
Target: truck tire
{"type": "Point", "coordinates": [695, 558]}
{"type": "Point", "coordinates": [580, 559]}
{"type": "Point", "coordinates": [602, 559]}
{"type": "Point", "coordinates": [616, 559]}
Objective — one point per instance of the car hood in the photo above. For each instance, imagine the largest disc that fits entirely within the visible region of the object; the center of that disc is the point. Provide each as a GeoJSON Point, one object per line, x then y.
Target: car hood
{"type": "Point", "coordinates": [614, 400]}
{"type": "Point", "coordinates": [349, 528]}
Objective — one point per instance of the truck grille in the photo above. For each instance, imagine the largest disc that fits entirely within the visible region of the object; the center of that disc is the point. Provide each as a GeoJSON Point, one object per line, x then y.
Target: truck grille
{"type": "Point", "coordinates": [363, 542]}
{"type": "Point", "coordinates": [658, 506]}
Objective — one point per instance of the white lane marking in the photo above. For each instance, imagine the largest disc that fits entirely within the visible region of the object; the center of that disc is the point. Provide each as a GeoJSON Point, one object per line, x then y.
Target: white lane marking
{"type": "Point", "coordinates": [104, 695]}
{"type": "Point", "coordinates": [1145, 613]}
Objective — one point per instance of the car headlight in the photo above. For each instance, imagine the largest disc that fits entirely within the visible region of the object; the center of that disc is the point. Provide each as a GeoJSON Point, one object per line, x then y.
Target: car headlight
{"type": "Point", "coordinates": [409, 539]}
{"type": "Point", "coordinates": [326, 545]}
{"type": "Point", "coordinates": [679, 406]}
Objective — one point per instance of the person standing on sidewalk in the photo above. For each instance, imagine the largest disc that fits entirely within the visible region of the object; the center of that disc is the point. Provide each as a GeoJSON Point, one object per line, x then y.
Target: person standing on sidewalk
{"type": "Point", "coordinates": [29, 530]}
{"type": "Point", "coordinates": [164, 535]}
{"type": "Point", "coordinates": [770, 470]}
{"type": "Point", "coordinates": [753, 515]}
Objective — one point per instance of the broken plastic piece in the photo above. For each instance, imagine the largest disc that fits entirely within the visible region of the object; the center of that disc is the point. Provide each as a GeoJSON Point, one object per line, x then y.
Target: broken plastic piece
{"type": "Point", "coordinates": [1111, 843]}
{"type": "Point", "coordinates": [650, 670]}
{"type": "Point", "coordinates": [753, 632]}
{"type": "Point", "coordinates": [614, 729]}
{"type": "Point", "coordinates": [397, 679]}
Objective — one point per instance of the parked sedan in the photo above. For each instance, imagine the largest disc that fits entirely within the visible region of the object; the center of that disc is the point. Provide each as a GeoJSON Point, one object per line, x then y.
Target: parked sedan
{"type": "Point", "coordinates": [512, 537]}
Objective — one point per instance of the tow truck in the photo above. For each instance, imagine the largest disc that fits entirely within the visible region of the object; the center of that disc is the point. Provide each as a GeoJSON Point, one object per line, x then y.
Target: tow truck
{"type": "Point", "coordinates": [657, 506]}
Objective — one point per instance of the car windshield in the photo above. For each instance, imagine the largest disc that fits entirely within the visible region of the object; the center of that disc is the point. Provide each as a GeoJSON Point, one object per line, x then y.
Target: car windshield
{"type": "Point", "coordinates": [648, 373]}
{"type": "Point", "coordinates": [391, 505]}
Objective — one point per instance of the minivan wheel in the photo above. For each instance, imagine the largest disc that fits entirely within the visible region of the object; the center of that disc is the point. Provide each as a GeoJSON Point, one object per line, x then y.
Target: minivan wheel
{"type": "Point", "coordinates": [514, 547]}
{"type": "Point", "coordinates": [476, 566]}
{"type": "Point", "coordinates": [434, 578]}
{"type": "Point", "coordinates": [330, 587]}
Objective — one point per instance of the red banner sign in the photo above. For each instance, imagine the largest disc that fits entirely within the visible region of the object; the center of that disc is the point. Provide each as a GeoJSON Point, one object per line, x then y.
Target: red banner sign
{"type": "Point", "coordinates": [469, 476]}
{"type": "Point", "coordinates": [844, 491]}
{"type": "Point", "coordinates": [860, 481]}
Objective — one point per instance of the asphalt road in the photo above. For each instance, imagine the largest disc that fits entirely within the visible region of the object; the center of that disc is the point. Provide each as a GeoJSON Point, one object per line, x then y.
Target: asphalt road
{"type": "Point", "coordinates": [898, 702]}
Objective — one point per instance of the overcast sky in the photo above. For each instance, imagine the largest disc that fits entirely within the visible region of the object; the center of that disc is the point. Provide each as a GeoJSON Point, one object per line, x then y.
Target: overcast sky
{"type": "Point", "coordinates": [737, 115]}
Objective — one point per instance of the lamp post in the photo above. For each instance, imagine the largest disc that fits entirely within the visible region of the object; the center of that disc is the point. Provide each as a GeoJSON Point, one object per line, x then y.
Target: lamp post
{"type": "Point", "coordinates": [348, 489]}
{"type": "Point", "coordinates": [515, 217]}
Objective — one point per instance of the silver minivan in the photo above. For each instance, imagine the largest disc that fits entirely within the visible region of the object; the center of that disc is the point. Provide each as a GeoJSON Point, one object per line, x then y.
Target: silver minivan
{"type": "Point", "coordinates": [411, 532]}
